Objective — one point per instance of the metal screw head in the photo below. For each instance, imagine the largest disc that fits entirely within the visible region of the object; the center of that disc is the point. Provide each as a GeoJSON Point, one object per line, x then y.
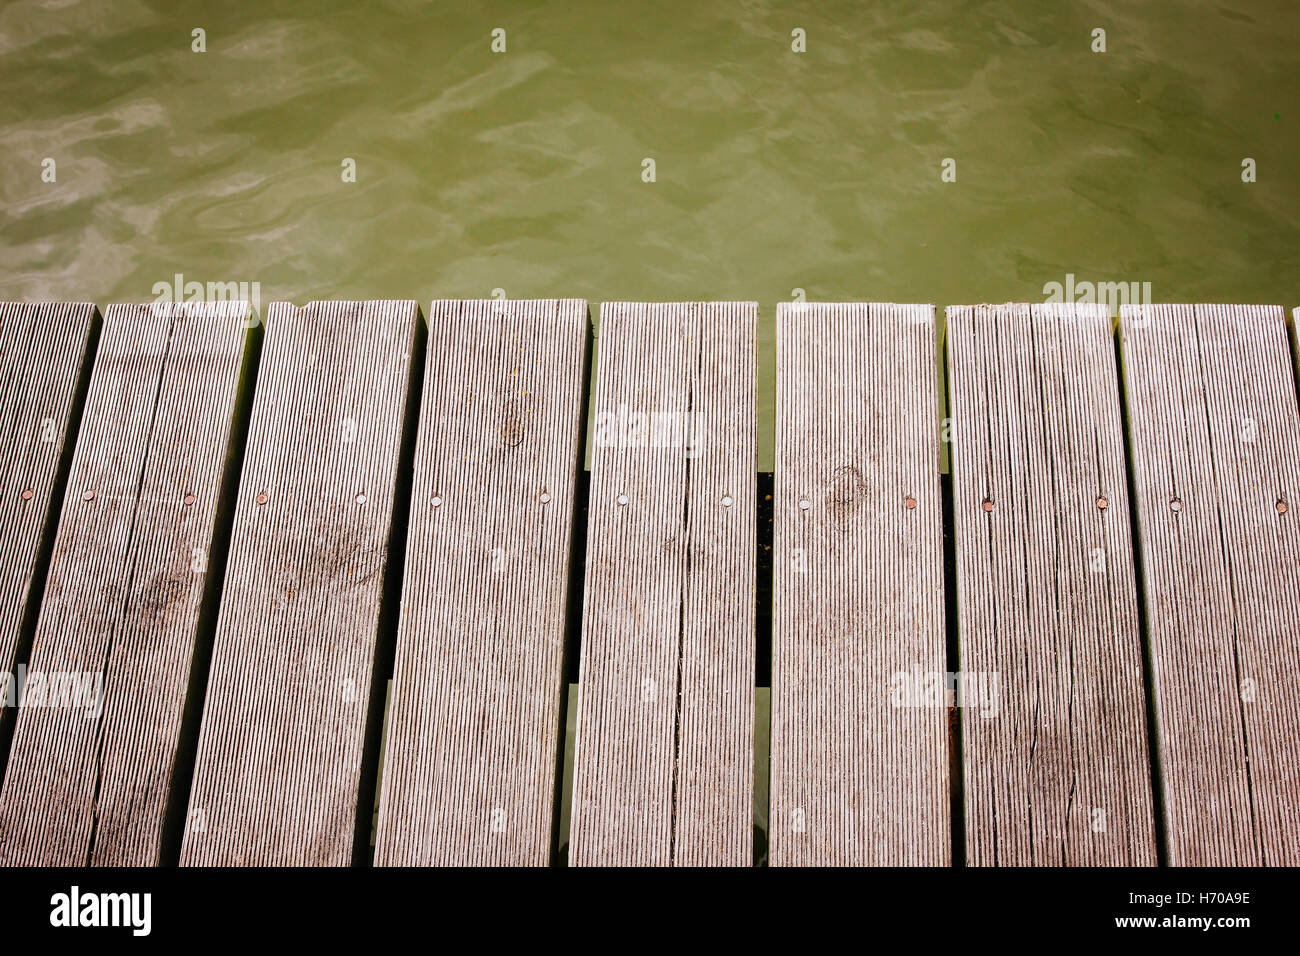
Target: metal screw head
{"type": "Point", "coordinates": [361, 499]}
{"type": "Point", "coordinates": [804, 504]}
{"type": "Point", "coordinates": [1175, 504]}
{"type": "Point", "coordinates": [189, 499]}
{"type": "Point", "coordinates": [987, 505]}
{"type": "Point", "coordinates": [27, 494]}
{"type": "Point", "coordinates": [88, 496]}
{"type": "Point", "coordinates": [1103, 503]}
{"type": "Point", "coordinates": [621, 499]}
{"type": "Point", "coordinates": [910, 503]}
{"type": "Point", "coordinates": [544, 497]}
{"type": "Point", "coordinates": [437, 500]}
{"type": "Point", "coordinates": [726, 501]}
{"type": "Point", "coordinates": [1281, 507]}
{"type": "Point", "coordinates": [262, 497]}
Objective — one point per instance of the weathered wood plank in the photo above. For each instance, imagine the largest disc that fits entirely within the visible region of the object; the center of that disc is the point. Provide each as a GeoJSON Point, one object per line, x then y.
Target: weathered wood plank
{"type": "Point", "coordinates": [46, 352]}
{"type": "Point", "coordinates": [470, 760]}
{"type": "Point", "coordinates": [663, 771]}
{"type": "Point", "coordinates": [96, 743]}
{"type": "Point", "coordinates": [291, 703]}
{"type": "Point", "coordinates": [1050, 658]}
{"type": "Point", "coordinates": [1216, 466]}
{"type": "Point", "coordinates": [857, 589]}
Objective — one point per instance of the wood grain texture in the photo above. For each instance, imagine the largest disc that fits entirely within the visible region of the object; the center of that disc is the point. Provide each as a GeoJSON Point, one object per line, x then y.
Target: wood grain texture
{"type": "Point", "coordinates": [470, 759]}
{"type": "Point", "coordinates": [857, 589]}
{"type": "Point", "coordinates": [1051, 693]}
{"type": "Point", "coordinates": [290, 694]}
{"type": "Point", "coordinates": [44, 349]}
{"type": "Point", "coordinates": [663, 771]}
{"type": "Point", "coordinates": [92, 763]}
{"type": "Point", "coordinates": [1216, 466]}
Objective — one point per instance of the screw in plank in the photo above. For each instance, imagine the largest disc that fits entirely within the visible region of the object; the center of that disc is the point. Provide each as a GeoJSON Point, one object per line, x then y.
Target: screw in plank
{"type": "Point", "coordinates": [987, 505]}
{"type": "Point", "coordinates": [621, 499]}
{"type": "Point", "coordinates": [27, 494]}
{"type": "Point", "coordinates": [88, 496]}
{"type": "Point", "coordinates": [726, 501]}
{"type": "Point", "coordinates": [361, 499]}
{"type": "Point", "coordinates": [804, 504]}
{"type": "Point", "coordinates": [262, 497]}
{"type": "Point", "coordinates": [1103, 503]}
{"type": "Point", "coordinates": [1281, 506]}
{"type": "Point", "coordinates": [1175, 504]}
{"type": "Point", "coordinates": [437, 500]}
{"type": "Point", "coordinates": [189, 499]}
{"type": "Point", "coordinates": [545, 497]}
{"type": "Point", "coordinates": [910, 503]}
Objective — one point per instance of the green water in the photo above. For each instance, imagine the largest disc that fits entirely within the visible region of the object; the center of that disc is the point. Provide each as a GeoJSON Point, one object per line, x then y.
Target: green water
{"type": "Point", "coordinates": [775, 170]}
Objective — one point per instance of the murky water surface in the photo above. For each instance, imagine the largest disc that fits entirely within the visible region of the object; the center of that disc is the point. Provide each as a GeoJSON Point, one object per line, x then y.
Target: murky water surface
{"type": "Point", "coordinates": [775, 170]}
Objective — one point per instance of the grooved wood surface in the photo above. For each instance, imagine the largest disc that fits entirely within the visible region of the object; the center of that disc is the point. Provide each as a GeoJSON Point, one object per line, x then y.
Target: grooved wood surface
{"type": "Point", "coordinates": [92, 766]}
{"type": "Point", "coordinates": [1216, 457]}
{"type": "Point", "coordinates": [1053, 722]}
{"type": "Point", "coordinates": [663, 767]}
{"type": "Point", "coordinates": [43, 349]}
{"type": "Point", "coordinates": [470, 758]}
{"type": "Point", "coordinates": [859, 776]}
{"type": "Point", "coordinates": [278, 768]}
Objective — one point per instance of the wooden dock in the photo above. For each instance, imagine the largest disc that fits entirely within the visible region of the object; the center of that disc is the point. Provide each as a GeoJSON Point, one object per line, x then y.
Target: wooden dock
{"type": "Point", "coordinates": [318, 590]}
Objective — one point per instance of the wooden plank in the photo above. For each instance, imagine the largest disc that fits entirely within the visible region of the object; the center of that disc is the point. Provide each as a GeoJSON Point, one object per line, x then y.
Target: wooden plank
{"type": "Point", "coordinates": [1215, 441]}
{"type": "Point", "coordinates": [857, 589]}
{"type": "Point", "coordinates": [96, 743]}
{"type": "Point", "coordinates": [663, 772]}
{"type": "Point", "coordinates": [292, 708]}
{"type": "Point", "coordinates": [474, 723]}
{"type": "Point", "coordinates": [1050, 688]}
{"type": "Point", "coordinates": [44, 353]}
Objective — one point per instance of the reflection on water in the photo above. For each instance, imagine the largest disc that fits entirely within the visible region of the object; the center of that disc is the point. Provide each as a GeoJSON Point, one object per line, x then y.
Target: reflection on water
{"type": "Point", "coordinates": [775, 170]}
